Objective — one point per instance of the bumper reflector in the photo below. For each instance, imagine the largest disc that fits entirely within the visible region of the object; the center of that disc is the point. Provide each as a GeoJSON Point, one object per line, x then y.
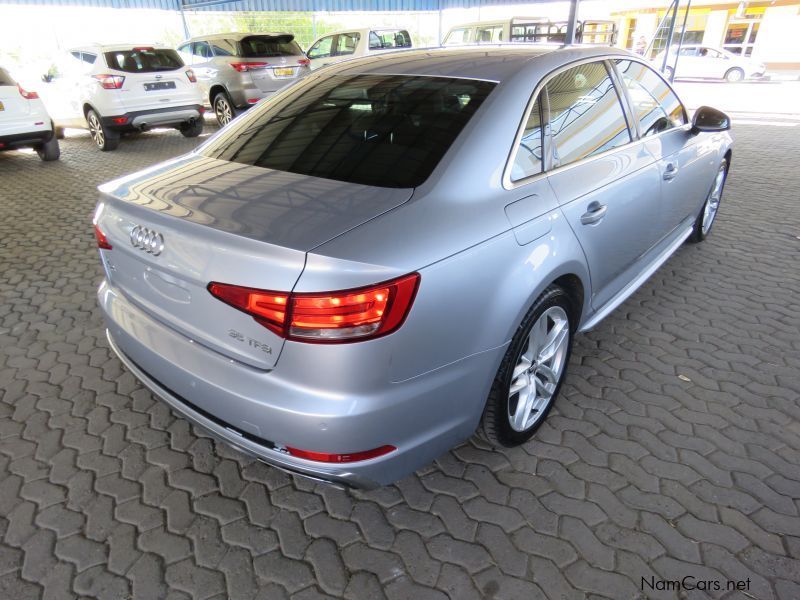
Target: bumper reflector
{"type": "Point", "coordinates": [340, 458]}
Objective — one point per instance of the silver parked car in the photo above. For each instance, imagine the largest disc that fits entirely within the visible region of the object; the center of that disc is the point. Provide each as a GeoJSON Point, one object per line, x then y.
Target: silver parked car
{"type": "Point", "coordinates": [352, 277]}
{"type": "Point", "coordinates": [236, 70]}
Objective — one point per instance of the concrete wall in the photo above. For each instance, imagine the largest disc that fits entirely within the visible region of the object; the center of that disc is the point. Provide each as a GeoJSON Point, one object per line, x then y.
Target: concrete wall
{"type": "Point", "coordinates": [715, 28]}
{"type": "Point", "coordinates": [778, 38]}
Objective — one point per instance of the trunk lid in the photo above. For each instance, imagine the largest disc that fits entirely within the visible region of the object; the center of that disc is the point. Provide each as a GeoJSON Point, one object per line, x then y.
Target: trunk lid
{"type": "Point", "coordinates": [229, 223]}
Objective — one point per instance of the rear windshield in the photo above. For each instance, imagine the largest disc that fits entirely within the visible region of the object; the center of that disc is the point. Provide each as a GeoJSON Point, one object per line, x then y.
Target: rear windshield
{"type": "Point", "coordinates": [269, 45]}
{"type": "Point", "coordinates": [5, 78]}
{"type": "Point", "coordinates": [143, 60]}
{"type": "Point", "coordinates": [379, 130]}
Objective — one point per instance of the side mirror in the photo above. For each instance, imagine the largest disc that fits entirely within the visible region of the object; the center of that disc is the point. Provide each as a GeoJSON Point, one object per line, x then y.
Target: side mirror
{"type": "Point", "coordinates": [710, 119]}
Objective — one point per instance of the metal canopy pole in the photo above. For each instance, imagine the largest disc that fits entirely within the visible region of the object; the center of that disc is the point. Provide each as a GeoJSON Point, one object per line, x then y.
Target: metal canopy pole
{"type": "Point", "coordinates": [680, 41]}
{"type": "Point", "coordinates": [572, 22]}
{"type": "Point", "coordinates": [674, 9]}
{"type": "Point", "coordinates": [183, 19]}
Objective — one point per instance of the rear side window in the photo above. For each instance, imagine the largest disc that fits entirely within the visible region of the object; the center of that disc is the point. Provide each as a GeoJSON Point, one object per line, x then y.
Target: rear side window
{"type": "Point", "coordinates": [656, 106]}
{"type": "Point", "coordinates": [489, 35]}
{"type": "Point", "coordinates": [254, 46]}
{"type": "Point", "coordinates": [143, 60]}
{"type": "Point", "coordinates": [223, 47]}
{"type": "Point", "coordinates": [528, 160]}
{"type": "Point", "coordinates": [380, 130]}
{"type": "Point", "coordinates": [5, 78]}
{"type": "Point", "coordinates": [387, 40]}
{"type": "Point", "coordinates": [586, 116]}
{"type": "Point", "coordinates": [322, 48]}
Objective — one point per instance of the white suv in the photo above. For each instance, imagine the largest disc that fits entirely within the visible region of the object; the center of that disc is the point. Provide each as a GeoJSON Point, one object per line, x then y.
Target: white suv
{"type": "Point", "coordinates": [341, 45]}
{"type": "Point", "coordinates": [24, 121]}
{"type": "Point", "coordinates": [118, 88]}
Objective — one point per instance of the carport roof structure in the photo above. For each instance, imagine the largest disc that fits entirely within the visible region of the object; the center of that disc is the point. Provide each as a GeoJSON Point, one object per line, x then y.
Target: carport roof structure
{"type": "Point", "coordinates": [282, 5]}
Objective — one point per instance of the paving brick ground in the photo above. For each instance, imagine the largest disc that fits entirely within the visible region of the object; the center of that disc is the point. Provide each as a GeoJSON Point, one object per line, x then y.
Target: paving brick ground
{"type": "Point", "coordinates": [674, 449]}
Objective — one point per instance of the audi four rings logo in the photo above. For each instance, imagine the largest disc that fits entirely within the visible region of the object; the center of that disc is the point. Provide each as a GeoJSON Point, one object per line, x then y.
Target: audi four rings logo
{"type": "Point", "coordinates": [148, 240]}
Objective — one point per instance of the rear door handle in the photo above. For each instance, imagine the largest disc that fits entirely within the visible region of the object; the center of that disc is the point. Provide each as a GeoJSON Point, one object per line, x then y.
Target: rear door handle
{"type": "Point", "coordinates": [670, 172]}
{"type": "Point", "coordinates": [594, 213]}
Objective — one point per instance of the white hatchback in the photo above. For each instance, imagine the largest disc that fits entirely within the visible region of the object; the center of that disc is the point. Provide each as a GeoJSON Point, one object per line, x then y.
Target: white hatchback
{"type": "Point", "coordinates": [340, 45]}
{"type": "Point", "coordinates": [117, 88]}
{"type": "Point", "coordinates": [24, 121]}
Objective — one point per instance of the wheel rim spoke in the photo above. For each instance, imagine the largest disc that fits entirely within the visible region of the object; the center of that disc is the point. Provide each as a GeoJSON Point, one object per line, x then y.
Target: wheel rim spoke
{"type": "Point", "coordinates": [712, 204]}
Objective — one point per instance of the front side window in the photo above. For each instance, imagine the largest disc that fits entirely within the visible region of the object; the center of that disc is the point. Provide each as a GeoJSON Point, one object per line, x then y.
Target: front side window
{"type": "Point", "coordinates": [586, 116]}
{"type": "Point", "coordinates": [143, 60]}
{"type": "Point", "coordinates": [322, 49]}
{"type": "Point", "coordinates": [528, 160]}
{"type": "Point", "coordinates": [456, 37]}
{"type": "Point", "coordinates": [380, 130]}
{"type": "Point", "coordinates": [655, 105]}
{"type": "Point", "coordinates": [346, 43]}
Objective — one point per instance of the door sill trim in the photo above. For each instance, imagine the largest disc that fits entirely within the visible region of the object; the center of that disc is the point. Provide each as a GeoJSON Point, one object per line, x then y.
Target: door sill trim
{"type": "Point", "coordinates": [634, 285]}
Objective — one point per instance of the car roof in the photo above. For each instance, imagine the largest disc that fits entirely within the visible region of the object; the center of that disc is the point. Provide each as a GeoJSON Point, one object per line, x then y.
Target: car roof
{"type": "Point", "coordinates": [234, 35]}
{"type": "Point", "coordinates": [113, 47]}
{"type": "Point", "coordinates": [489, 23]}
{"type": "Point", "coordinates": [486, 62]}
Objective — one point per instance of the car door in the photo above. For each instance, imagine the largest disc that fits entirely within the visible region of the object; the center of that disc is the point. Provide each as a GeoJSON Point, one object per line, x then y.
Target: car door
{"type": "Point", "coordinates": [607, 187]}
{"type": "Point", "coordinates": [663, 125]}
{"type": "Point", "coordinates": [202, 65]}
{"type": "Point", "coordinates": [688, 63]}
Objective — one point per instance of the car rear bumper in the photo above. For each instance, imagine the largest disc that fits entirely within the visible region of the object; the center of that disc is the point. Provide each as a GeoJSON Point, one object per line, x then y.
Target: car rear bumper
{"type": "Point", "coordinates": [28, 138]}
{"type": "Point", "coordinates": [156, 117]}
{"type": "Point", "coordinates": [263, 412]}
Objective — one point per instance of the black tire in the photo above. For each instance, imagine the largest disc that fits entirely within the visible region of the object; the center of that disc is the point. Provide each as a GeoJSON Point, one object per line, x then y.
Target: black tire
{"type": "Point", "coordinates": [496, 426]}
{"type": "Point", "coordinates": [734, 75]}
{"type": "Point", "coordinates": [105, 138]}
{"type": "Point", "coordinates": [701, 232]}
{"type": "Point", "coordinates": [223, 107]}
{"type": "Point", "coordinates": [49, 150]}
{"type": "Point", "coordinates": [191, 129]}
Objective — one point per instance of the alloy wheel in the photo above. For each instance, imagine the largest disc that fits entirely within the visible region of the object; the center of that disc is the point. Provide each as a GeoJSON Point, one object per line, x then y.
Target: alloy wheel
{"type": "Point", "coordinates": [712, 204]}
{"type": "Point", "coordinates": [96, 130]}
{"type": "Point", "coordinates": [223, 110]}
{"type": "Point", "coordinates": [538, 369]}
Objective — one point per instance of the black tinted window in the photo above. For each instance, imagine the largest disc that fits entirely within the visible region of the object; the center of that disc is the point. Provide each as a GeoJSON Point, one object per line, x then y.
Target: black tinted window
{"type": "Point", "coordinates": [269, 45]}
{"type": "Point", "coordinates": [586, 116]}
{"type": "Point", "coordinates": [656, 106]}
{"type": "Point", "coordinates": [381, 130]}
{"type": "Point", "coordinates": [143, 60]}
{"type": "Point", "coordinates": [5, 78]}
{"type": "Point", "coordinates": [528, 160]}
{"type": "Point", "coordinates": [384, 40]}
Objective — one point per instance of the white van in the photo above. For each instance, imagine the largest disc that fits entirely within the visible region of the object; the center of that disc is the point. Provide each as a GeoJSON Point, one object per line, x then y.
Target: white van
{"type": "Point", "coordinates": [530, 30]}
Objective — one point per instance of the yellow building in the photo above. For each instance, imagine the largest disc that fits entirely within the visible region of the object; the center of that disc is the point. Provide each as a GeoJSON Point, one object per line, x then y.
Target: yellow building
{"type": "Point", "coordinates": [767, 31]}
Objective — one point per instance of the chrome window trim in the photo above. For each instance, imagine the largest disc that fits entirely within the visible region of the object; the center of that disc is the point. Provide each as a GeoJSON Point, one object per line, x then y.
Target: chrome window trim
{"type": "Point", "coordinates": [509, 184]}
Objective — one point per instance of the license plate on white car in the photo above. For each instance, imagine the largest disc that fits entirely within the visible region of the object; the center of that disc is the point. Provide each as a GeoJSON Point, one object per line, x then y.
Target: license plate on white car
{"type": "Point", "coordinates": [159, 85]}
{"type": "Point", "coordinates": [286, 72]}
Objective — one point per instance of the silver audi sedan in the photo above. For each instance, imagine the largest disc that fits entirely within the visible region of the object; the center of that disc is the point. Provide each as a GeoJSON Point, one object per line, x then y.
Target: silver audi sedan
{"type": "Point", "coordinates": [352, 277]}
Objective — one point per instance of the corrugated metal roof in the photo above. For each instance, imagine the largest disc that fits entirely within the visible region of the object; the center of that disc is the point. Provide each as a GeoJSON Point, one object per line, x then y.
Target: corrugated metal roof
{"type": "Point", "coordinates": [280, 5]}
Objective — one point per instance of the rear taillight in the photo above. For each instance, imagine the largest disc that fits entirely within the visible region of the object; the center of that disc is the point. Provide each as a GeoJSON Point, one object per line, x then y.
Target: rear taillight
{"type": "Point", "coordinates": [304, 61]}
{"type": "Point", "coordinates": [27, 95]}
{"type": "Point", "coordinates": [243, 67]}
{"type": "Point", "coordinates": [335, 317]}
{"type": "Point", "coordinates": [102, 240]}
{"type": "Point", "coordinates": [190, 76]}
{"type": "Point", "coordinates": [110, 82]}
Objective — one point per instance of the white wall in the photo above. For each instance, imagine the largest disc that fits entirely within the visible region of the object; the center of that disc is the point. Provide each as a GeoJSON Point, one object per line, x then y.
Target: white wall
{"type": "Point", "coordinates": [778, 39]}
{"type": "Point", "coordinates": [715, 28]}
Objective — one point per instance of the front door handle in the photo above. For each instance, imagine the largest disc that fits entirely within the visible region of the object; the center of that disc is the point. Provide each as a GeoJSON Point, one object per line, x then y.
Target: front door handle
{"type": "Point", "coordinates": [594, 213]}
{"type": "Point", "coordinates": [670, 172]}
